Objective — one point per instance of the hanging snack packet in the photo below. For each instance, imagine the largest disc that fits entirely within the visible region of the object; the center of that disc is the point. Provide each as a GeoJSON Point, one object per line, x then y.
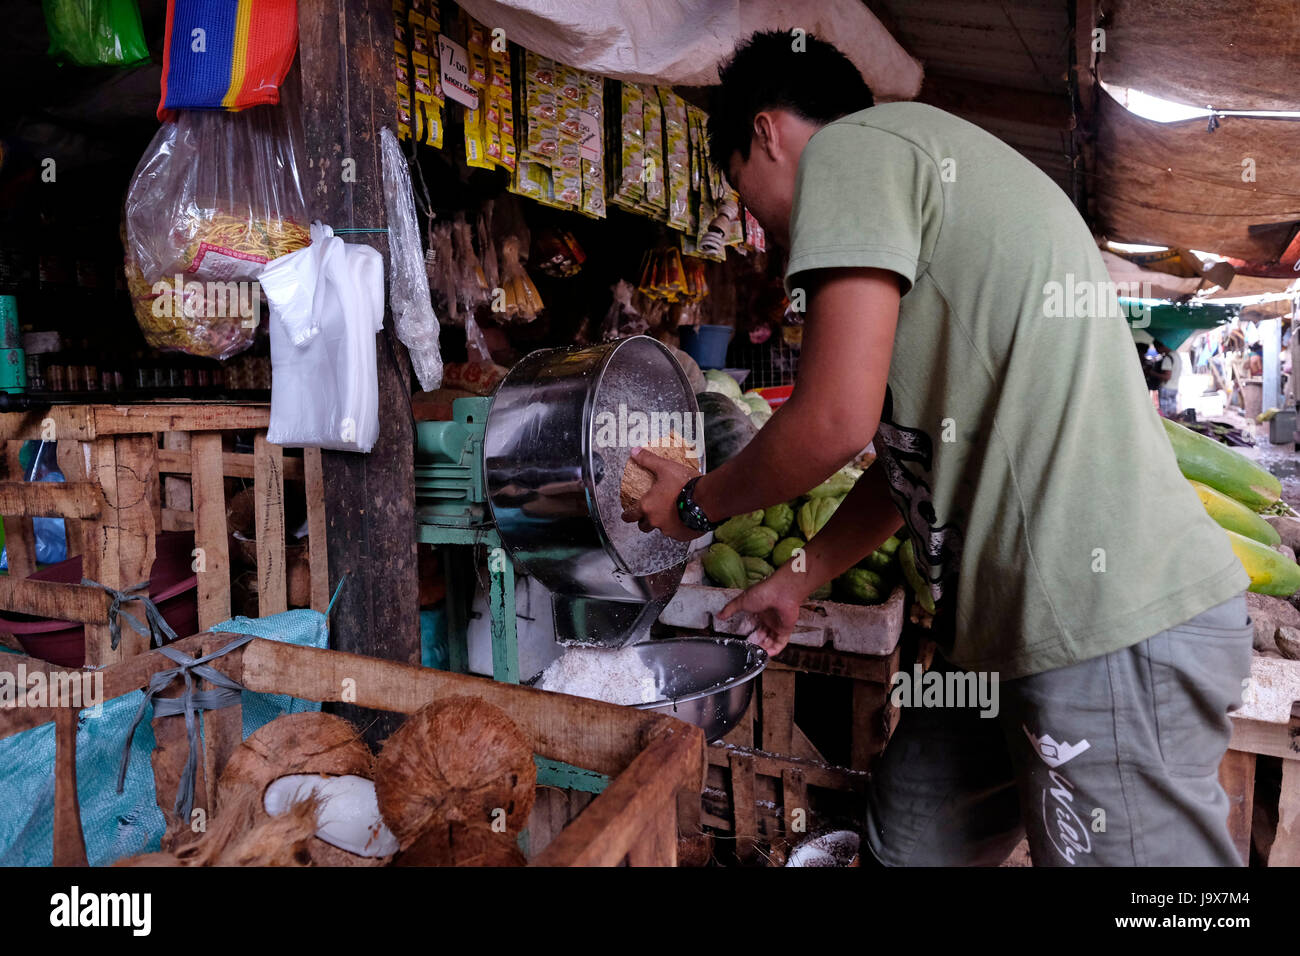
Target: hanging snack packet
{"type": "Point", "coordinates": [543, 135]}
{"type": "Point", "coordinates": [592, 146]}
{"type": "Point", "coordinates": [476, 154]}
{"type": "Point", "coordinates": [501, 109]}
{"type": "Point", "coordinates": [568, 89]}
{"type": "Point", "coordinates": [677, 173]}
{"type": "Point", "coordinates": [631, 186]}
{"type": "Point", "coordinates": [654, 201]}
{"type": "Point", "coordinates": [403, 85]}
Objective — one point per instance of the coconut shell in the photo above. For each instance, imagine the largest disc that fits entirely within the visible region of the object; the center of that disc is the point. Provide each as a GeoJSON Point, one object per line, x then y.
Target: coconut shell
{"type": "Point", "coordinates": [457, 760]}
{"type": "Point", "coordinates": [310, 742]}
{"type": "Point", "coordinates": [460, 845]}
{"type": "Point", "coordinates": [638, 480]}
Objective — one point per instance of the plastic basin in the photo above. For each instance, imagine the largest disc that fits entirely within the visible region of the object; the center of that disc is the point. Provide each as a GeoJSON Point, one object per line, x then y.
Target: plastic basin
{"type": "Point", "coordinates": [173, 585]}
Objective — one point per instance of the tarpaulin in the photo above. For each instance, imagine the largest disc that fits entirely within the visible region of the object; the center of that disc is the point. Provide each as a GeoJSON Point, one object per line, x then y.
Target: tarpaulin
{"type": "Point", "coordinates": [682, 41]}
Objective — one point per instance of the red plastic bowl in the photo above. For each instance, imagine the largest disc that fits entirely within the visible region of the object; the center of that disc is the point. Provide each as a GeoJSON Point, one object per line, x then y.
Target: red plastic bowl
{"type": "Point", "coordinates": [172, 585]}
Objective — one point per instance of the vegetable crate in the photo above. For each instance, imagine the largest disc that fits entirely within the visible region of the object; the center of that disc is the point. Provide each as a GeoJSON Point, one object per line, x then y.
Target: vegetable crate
{"type": "Point", "coordinates": [132, 471]}
{"type": "Point", "coordinates": [768, 785]}
{"type": "Point", "coordinates": [1267, 725]}
{"type": "Point", "coordinates": [649, 759]}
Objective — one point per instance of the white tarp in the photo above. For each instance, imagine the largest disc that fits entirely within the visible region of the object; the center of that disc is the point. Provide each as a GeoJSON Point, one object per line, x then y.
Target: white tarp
{"type": "Point", "coordinates": [682, 41]}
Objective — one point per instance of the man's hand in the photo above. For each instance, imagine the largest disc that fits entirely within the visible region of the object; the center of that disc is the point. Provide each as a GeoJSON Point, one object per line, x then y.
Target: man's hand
{"type": "Point", "coordinates": [773, 605]}
{"type": "Point", "coordinates": [658, 506]}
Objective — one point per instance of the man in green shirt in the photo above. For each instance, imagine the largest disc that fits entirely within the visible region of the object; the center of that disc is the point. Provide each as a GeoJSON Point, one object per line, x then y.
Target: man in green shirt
{"type": "Point", "coordinates": [958, 313]}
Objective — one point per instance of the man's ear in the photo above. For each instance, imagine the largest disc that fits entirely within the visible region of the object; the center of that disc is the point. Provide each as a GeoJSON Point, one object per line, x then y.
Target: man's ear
{"type": "Point", "coordinates": [766, 134]}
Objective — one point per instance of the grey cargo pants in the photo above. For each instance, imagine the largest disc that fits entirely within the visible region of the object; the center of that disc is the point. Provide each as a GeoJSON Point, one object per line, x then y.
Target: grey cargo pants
{"type": "Point", "coordinates": [1109, 762]}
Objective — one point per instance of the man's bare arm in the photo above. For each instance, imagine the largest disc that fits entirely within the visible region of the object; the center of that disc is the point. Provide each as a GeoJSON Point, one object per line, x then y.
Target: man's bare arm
{"type": "Point", "coordinates": [835, 407]}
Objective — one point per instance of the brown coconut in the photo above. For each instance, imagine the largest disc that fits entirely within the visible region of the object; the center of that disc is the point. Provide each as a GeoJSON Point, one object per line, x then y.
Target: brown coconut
{"type": "Point", "coordinates": [457, 760]}
{"type": "Point", "coordinates": [637, 480]}
{"type": "Point", "coordinates": [460, 845]}
{"type": "Point", "coordinates": [311, 742]}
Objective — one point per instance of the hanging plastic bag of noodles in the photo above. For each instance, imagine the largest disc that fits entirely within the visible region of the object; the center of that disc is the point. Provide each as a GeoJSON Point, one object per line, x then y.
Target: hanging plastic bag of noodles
{"type": "Point", "coordinates": [214, 198]}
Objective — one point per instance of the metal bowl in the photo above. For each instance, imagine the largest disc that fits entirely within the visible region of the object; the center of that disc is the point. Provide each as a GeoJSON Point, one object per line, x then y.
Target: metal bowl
{"type": "Point", "coordinates": [705, 681]}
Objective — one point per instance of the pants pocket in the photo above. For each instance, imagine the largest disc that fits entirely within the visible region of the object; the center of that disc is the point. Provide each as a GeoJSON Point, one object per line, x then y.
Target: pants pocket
{"type": "Point", "coordinates": [1197, 676]}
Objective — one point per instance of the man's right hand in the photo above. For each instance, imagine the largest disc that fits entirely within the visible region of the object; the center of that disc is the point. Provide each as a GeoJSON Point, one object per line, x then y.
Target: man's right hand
{"type": "Point", "coordinates": [773, 606]}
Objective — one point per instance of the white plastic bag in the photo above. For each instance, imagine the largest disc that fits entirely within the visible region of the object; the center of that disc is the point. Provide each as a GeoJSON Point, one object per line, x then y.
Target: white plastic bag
{"type": "Point", "coordinates": [327, 303]}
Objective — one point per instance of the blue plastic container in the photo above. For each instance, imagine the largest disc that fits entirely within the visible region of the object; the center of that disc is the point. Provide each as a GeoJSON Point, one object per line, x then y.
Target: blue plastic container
{"type": "Point", "coordinates": [707, 344]}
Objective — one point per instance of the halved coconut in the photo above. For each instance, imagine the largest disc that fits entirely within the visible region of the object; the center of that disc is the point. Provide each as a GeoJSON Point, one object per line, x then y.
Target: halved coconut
{"type": "Point", "coordinates": [348, 817]}
{"type": "Point", "coordinates": [307, 743]}
{"type": "Point", "coordinates": [457, 760]}
{"type": "Point", "coordinates": [460, 845]}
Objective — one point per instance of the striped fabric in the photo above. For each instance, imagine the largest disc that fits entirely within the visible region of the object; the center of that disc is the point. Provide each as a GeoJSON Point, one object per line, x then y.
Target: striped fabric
{"type": "Point", "coordinates": [226, 54]}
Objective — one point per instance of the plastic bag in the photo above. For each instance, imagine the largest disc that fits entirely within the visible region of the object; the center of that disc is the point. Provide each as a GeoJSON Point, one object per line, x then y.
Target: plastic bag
{"type": "Point", "coordinates": [215, 197]}
{"type": "Point", "coordinates": [413, 316]}
{"type": "Point", "coordinates": [247, 52]}
{"type": "Point", "coordinates": [327, 303]}
{"type": "Point", "coordinates": [96, 32]}
{"type": "Point", "coordinates": [51, 538]}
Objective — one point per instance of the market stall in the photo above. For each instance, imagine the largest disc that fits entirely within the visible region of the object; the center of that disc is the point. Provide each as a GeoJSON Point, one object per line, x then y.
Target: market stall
{"type": "Point", "coordinates": [372, 326]}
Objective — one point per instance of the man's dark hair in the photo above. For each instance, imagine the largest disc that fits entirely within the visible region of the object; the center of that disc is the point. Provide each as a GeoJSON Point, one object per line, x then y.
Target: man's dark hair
{"type": "Point", "coordinates": [775, 68]}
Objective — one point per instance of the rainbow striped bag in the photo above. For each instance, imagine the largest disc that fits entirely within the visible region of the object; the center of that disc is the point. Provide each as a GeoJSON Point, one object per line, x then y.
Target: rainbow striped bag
{"type": "Point", "coordinates": [226, 54]}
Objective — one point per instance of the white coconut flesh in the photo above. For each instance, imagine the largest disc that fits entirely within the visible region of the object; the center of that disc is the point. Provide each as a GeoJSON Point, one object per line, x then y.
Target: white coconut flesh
{"type": "Point", "coordinates": [349, 815]}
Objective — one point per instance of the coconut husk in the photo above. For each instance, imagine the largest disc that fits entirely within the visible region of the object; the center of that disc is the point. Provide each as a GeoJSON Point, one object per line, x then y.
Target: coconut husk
{"type": "Point", "coordinates": [460, 845]}
{"type": "Point", "coordinates": [457, 760]}
{"type": "Point", "coordinates": [311, 742]}
{"type": "Point", "coordinates": [637, 480]}
{"type": "Point", "coordinates": [243, 835]}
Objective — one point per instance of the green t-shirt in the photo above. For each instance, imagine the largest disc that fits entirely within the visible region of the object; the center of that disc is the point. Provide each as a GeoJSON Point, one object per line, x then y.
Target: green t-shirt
{"type": "Point", "coordinates": [1041, 495]}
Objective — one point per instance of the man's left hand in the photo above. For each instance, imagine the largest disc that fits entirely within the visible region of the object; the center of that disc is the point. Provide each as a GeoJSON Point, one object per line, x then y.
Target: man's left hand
{"type": "Point", "coordinates": [658, 506]}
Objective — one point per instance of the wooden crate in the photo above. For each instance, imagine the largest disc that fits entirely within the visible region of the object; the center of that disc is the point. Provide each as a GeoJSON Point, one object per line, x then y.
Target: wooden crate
{"type": "Point", "coordinates": [653, 760]}
{"type": "Point", "coordinates": [768, 786]}
{"type": "Point", "coordinates": [1268, 724]}
{"type": "Point", "coordinates": [132, 471]}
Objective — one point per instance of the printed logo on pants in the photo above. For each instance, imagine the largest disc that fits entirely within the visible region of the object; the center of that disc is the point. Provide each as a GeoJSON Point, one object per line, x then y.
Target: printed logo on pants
{"type": "Point", "coordinates": [1061, 824]}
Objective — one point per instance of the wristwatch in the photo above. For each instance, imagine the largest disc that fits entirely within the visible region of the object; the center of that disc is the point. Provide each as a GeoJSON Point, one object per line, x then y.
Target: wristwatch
{"type": "Point", "coordinates": [690, 513]}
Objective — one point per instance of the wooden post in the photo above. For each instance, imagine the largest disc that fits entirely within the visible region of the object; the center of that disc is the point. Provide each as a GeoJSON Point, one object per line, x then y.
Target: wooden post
{"type": "Point", "coordinates": [1237, 775]}
{"type": "Point", "coordinates": [20, 538]}
{"type": "Point", "coordinates": [268, 494]}
{"type": "Point", "coordinates": [69, 843]}
{"type": "Point", "coordinates": [345, 55]}
{"type": "Point", "coordinates": [210, 534]}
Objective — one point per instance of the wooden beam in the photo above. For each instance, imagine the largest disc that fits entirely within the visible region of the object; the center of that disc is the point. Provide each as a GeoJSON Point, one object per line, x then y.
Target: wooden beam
{"type": "Point", "coordinates": [268, 495]}
{"type": "Point", "coordinates": [210, 528]}
{"type": "Point", "coordinates": [317, 546]}
{"type": "Point", "coordinates": [20, 534]}
{"type": "Point", "coordinates": [69, 842]}
{"type": "Point", "coordinates": [60, 602]}
{"type": "Point", "coordinates": [1237, 775]}
{"type": "Point", "coordinates": [234, 464]}
{"type": "Point", "coordinates": [611, 736]}
{"type": "Point", "coordinates": [51, 499]}
{"type": "Point", "coordinates": [345, 55]}
{"type": "Point", "coordinates": [178, 417]}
